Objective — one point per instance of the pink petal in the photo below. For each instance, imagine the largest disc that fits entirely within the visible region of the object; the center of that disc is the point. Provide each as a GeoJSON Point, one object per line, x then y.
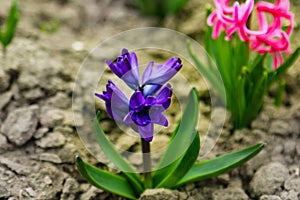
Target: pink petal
{"type": "Point", "coordinates": [243, 35]}
{"type": "Point", "coordinates": [211, 18]}
{"type": "Point", "coordinates": [217, 30]}
{"type": "Point", "coordinates": [248, 9]}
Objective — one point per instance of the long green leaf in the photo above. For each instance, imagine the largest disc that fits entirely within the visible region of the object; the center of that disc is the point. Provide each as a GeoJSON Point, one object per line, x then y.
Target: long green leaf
{"type": "Point", "coordinates": [174, 172]}
{"type": "Point", "coordinates": [185, 133]}
{"type": "Point", "coordinates": [174, 6]}
{"type": "Point", "coordinates": [256, 62]}
{"type": "Point", "coordinates": [183, 138]}
{"type": "Point", "coordinates": [105, 180]}
{"type": "Point", "coordinates": [221, 52]}
{"type": "Point", "coordinates": [116, 158]}
{"type": "Point", "coordinates": [241, 54]}
{"type": "Point", "coordinates": [211, 72]}
{"type": "Point", "coordinates": [219, 165]}
{"type": "Point", "coordinates": [11, 24]}
{"type": "Point", "coordinates": [275, 75]}
{"type": "Point", "coordinates": [279, 93]}
{"type": "Point", "coordinates": [208, 30]}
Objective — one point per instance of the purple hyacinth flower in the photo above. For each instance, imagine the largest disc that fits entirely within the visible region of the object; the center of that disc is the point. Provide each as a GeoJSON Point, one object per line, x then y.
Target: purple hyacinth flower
{"type": "Point", "coordinates": [115, 101]}
{"type": "Point", "coordinates": [147, 111]}
{"type": "Point", "coordinates": [126, 68]}
{"type": "Point", "coordinates": [143, 110]}
{"type": "Point", "coordinates": [155, 77]}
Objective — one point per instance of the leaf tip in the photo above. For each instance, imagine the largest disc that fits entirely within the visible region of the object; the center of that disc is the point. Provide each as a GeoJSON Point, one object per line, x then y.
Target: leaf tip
{"type": "Point", "coordinates": [77, 158]}
{"type": "Point", "coordinates": [188, 42]}
{"type": "Point", "coordinates": [194, 92]}
{"type": "Point", "coordinates": [263, 144]}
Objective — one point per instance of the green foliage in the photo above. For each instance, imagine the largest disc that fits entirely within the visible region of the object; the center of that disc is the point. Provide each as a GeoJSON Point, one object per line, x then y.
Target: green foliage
{"type": "Point", "coordinates": [105, 180]}
{"type": "Point", "coordinates": [113, 155]}
{"type": "Point", "coordinates": [222, 164]}
{"type": "Point", "coordinates": [167, 177]}
{"type": "Point", "coordinates": [176, 166]}
{"type": "Point", "coordinates": [8, 31]}
{"type": "Point", "coordinates": [50, 26]}
{"type": "Point", "coordinates": [279, 95]}
{"type": "Point", "coordinates": [246, 79]}
{"type": "Point", "coordinates": [160, 8]}
{"type": "Point", "coordinates": [185, 133]}
{"type": "Point", "coordinates": [183, 150]}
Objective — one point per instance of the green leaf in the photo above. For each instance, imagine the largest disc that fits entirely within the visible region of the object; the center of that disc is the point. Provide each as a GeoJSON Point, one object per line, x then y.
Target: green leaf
{"type": "Point", "coordinates": [222, 164]}
{"type": "Point", "coordinates": [275, 75]}
{"type": "Point", "coordinates": [221, 52]}
{"type": "Point", "coordinates": [208, 29]}
{"type": "Point", "coordinates": [210, 73]}
{"type": "Point", "coordinates": [171, 174]}
{"type": "Point", "coordinates": [255, 98]}
{"type": "Point", "coordinates": [148, 7]}
{"type": "Point", "coordinates": [184, 137]}
{"type": "Point", "coordinates": [241, 54]}
{"type": "Point", "coordinates": [279, 93]}
{"type": "Point", "coordinates": [105, 180]}
{"type": "Point", "coordinates": [160, 8]}
{"type": "Point", "coordinates": [174, 6]}
{"type": "Point", "coordinates": [116, 158]}
{"type": "Point", "coordinates": [257, 62]}
{"type": "Point", "coordinates": [11, 24]}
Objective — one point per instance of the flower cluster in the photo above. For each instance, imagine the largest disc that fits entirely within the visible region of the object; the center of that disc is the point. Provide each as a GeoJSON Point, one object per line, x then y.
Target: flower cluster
{"type": "Point", "coordinates": [271, 37]}
{"type": "Point", "coordinates": [143, 109]}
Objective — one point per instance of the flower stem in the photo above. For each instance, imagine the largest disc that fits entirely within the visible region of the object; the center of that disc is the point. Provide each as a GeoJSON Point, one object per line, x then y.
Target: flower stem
{"type": "Point", "coordinates": [4, 52]}
{"type": "Point", "coordinates": [147, 163]}
{"type": "Point", "coordinates": [249, 27]}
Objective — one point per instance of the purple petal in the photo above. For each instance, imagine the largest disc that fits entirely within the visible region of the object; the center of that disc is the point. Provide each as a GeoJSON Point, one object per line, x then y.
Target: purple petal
{"type": "Point", "coordinates": [99, 96]}
{"type": "Point", "coordinates": [146, 132]}
{"type": "Point", "coordinates": [127, 119]}
{"type": "Point", "coordinates": [113, 68]}
{"type": "Point", "coordinates": [136, 100]}
{"type": "Point", "coordinates": [150, 101]}
{"type": "Point", "coordinates": [164, 96]}
{"type": "Point", "coordinates": [162, 73]}
{"type": "Point", "coordinates": [174, 63]}
{"type": "Point", "coordinates": [103, 96]}
{"type": "Point", "coordinates": [147, 73]}
{"type": "Point", "coordinates": [124, 51]}
{"type": "Point", "coordinates": [135, 127]}
{"type": "Point", "coordinates": [123, 64]}
{"type": "Point", "coordinates": [150, 89]}
{"type": "Point", "coordinates": [141, 119]}
{"type": "Point", "coordinates": [134, 64]}
{"type": "Point", "coordinates": [106, 99]}
{"type": "Point", "coordinates": [132, 77]}
{"type": "Point", "coordinates": [157, 117]}
{"type": "Point", "coordinates": [126, 68]}
{"type": "Point", "coordinates": [166, 92]}
{"type": "Point", "coordinates": [116, 103]}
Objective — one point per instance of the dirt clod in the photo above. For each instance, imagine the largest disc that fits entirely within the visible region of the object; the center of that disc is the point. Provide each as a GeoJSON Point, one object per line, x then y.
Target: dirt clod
{"type": "Point", "coordinates": [269, 179]}
{"type": "Point", "coordinates": [160, 194]}
{"type": "Point", "coordinates": [52, 140]}
{"type": "Point", "coordinates": [20, 125]}
{"type": "Point", "coordinates": [231, 193]}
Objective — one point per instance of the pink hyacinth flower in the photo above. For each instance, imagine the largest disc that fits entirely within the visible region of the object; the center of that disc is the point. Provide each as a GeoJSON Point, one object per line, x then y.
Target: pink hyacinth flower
{"type": "Point", "coordinates": [279, 11]}
{"type": "Point", "coordinates": [241, 15]}
{"type": "Point", "coordinates": [275, 40]}
{"type": "Point", "coordinates": [221, 17]}
{"type": "Point", "coordinates": [234, 19]}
